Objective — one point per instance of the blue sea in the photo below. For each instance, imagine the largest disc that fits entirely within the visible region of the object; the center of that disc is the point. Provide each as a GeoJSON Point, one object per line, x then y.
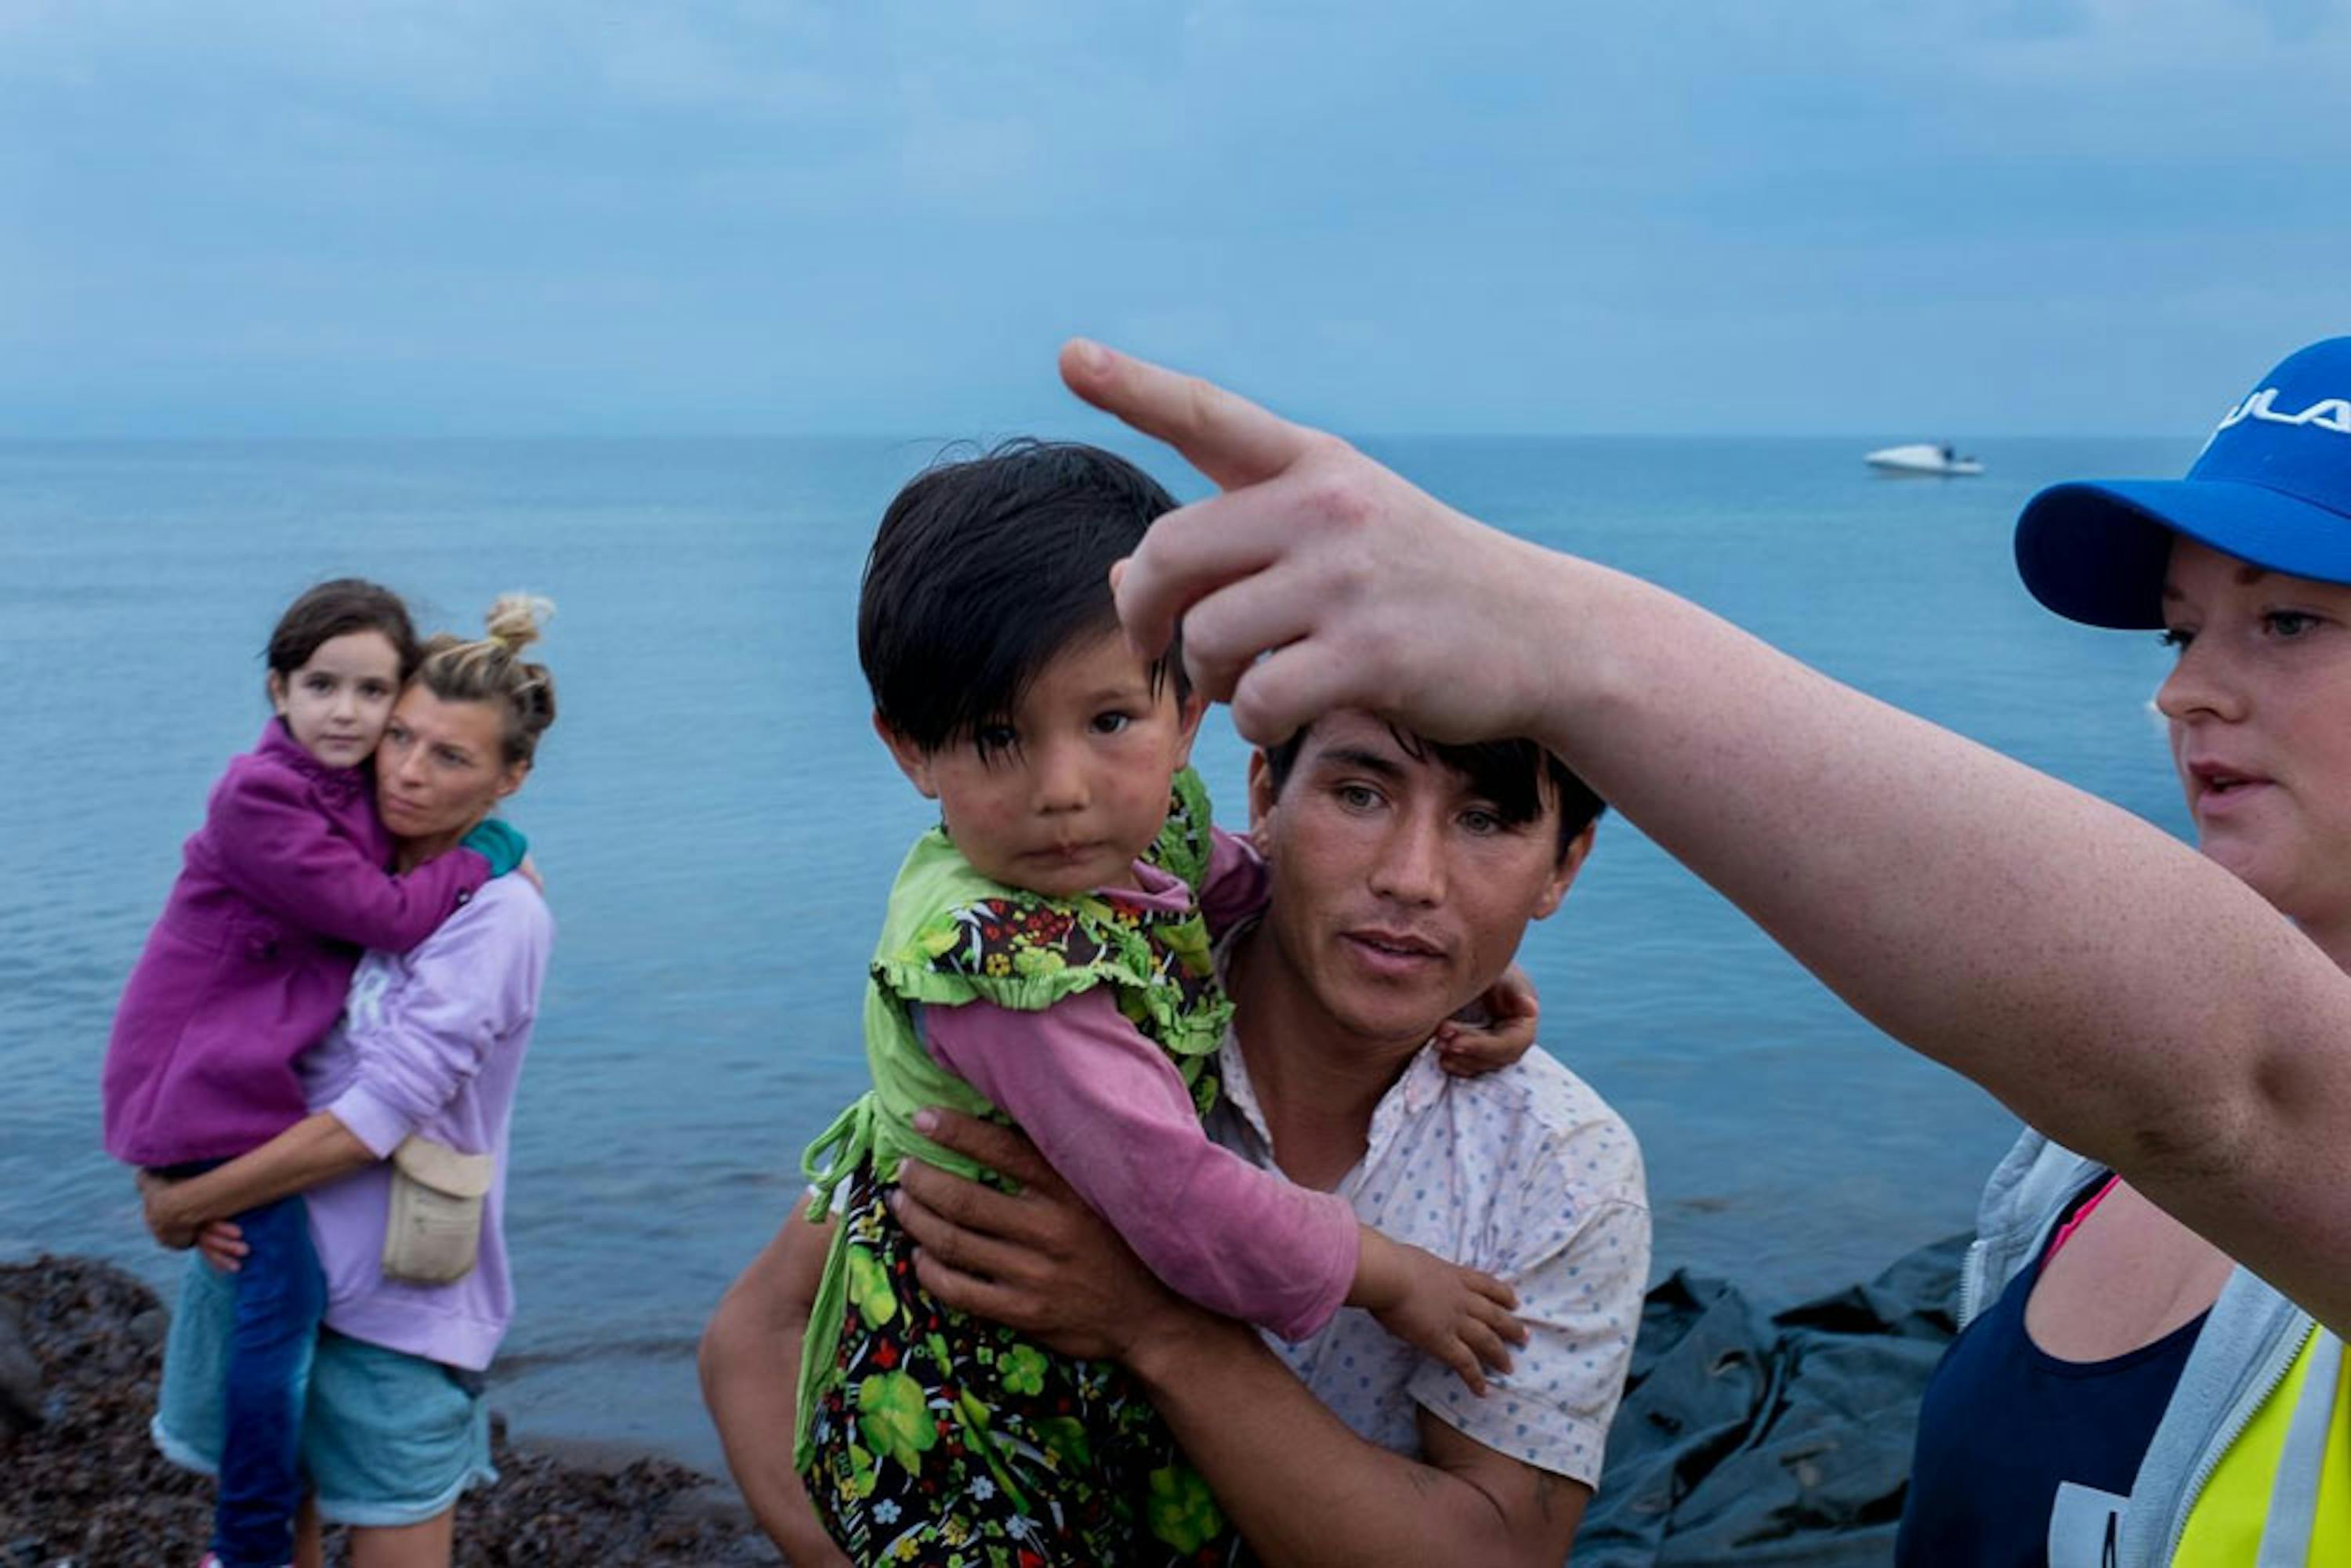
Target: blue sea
{"type": "Point", "coordinates": [717, 825]}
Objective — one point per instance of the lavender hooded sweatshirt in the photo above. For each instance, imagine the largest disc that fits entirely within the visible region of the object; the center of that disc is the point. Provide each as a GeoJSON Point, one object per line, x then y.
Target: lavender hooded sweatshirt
{"type": "Point", "coordinates": [433, 1042]}
{"type": "Point", "coordinates": [248, 965]}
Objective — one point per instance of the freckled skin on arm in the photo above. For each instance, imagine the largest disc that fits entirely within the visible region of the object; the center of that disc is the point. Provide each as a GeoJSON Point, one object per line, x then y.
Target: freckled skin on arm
{"type": "Point", "coordinates": [2120, 993]}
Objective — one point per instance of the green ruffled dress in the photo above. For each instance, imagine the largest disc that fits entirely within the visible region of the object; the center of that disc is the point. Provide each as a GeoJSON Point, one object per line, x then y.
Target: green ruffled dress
{"type": "Point", "coordinates": [929, 1437]}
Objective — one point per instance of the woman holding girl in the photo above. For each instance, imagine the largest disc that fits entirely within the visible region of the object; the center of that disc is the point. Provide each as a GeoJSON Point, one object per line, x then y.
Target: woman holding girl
{"type": "Point", "coordinates": [401, 1157]}
{"type": "Point", "coordinates": [2129, 998]}
{"type": "Point", "coordinates": [248, 967]}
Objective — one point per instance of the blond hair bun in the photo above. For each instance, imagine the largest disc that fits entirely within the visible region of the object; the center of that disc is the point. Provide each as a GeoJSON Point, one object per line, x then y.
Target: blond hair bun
{"type": "Point", "coordinates": [514, 620]}
{"type": "Point", "coordinates": [491, 670]}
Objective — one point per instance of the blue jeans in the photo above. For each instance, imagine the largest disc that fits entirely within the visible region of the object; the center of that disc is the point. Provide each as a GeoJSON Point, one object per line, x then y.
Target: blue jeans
{"type": "Point", "coordinates": [280, 1296]}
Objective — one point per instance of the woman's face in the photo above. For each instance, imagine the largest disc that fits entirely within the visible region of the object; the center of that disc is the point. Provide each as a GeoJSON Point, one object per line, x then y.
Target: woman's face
{"type": "Point", "coordinates": [2260, 704]}
{"type": "Point", "coordinates": [442, 766]}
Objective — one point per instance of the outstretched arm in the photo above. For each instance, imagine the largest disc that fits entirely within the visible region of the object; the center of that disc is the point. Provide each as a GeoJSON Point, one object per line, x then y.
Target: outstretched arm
{"type": "Point", "coordinates": [1301, 1487]}
{"type": "Point", "coordinates": [2119, 992]}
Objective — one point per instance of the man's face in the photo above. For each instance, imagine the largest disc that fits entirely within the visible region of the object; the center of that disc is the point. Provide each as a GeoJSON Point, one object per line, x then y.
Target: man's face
{"type": "Point", "coordinates": [1399, 892]}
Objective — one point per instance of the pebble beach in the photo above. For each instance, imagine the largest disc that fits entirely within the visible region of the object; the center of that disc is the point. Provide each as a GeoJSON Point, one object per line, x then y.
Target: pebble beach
{"type": "Point", "coordinates": [80, 1351]}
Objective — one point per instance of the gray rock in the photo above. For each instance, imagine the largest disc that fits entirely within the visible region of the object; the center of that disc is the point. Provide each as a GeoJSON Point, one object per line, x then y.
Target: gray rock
{"type": "Point", "coordinates": [149, 1328]}
{"type": "Point", "coordinates": [20, 1373]}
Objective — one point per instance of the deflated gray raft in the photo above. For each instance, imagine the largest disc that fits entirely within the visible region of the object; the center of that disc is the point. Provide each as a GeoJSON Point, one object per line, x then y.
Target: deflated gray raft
{"type": "Point", "coordinates": [1782, 1439]}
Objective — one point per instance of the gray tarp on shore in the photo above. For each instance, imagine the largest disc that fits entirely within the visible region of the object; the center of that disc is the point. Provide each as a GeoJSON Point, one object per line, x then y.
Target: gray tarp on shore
{"type": "Point", "coordinates": [1776, 1440]}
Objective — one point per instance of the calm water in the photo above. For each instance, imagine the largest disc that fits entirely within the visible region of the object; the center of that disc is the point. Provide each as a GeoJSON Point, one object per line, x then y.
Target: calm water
{"type": "Point", "coordinates": [717, 825]}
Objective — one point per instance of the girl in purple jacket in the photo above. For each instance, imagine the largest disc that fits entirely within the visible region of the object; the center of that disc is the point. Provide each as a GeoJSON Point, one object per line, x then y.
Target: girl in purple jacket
{"type": "Point", "coordinates": [280, 890]}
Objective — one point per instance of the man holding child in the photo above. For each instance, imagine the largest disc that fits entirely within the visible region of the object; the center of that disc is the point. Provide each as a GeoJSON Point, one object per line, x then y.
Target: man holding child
{"type": "Point", "coordinates": [1403, 875]}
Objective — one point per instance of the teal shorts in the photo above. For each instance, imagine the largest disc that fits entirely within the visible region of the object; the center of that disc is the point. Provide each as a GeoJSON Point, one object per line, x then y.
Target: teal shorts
{"type": "Point", "coordinates": [388, 1438]}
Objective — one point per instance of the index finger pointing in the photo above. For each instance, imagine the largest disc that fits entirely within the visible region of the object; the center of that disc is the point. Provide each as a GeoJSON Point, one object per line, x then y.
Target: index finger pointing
{"type": "Point", "coordinates": [1227, 437]}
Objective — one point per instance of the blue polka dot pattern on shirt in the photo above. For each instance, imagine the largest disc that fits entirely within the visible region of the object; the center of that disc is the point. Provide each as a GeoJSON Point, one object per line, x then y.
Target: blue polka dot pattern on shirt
{"type": "Point", "coordinates": [1528, 1174]}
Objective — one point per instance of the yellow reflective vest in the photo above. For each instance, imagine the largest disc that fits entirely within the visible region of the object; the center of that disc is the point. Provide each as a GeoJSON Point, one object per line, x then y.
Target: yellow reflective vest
{"type": "Point", "coordinates": [2250, 1464]}
{"type": "Point", "coordinates": [2280, 1495]}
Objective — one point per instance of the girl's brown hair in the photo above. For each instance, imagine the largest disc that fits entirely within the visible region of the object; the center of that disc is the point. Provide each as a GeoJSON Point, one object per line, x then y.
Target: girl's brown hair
{"type": "Point", "coordinates": [337, 609]}
{"type": "Point", "coordinates": [489, 670]}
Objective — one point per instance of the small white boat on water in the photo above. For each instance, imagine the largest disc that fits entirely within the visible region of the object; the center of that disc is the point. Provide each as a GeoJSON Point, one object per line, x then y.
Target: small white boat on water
{"type": "Point", "coordinates": [1921, 457]}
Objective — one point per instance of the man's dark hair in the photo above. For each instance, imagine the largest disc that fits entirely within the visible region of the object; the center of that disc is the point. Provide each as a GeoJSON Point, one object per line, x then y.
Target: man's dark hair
{"type": "Point", "coordinates": [984, 570]}
{"type": "Point", "coordinates": [1510, 773]}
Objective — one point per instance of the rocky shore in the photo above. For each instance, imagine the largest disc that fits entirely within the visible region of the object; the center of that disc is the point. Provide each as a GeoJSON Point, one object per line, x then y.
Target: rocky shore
{"type": "Point", "coordinates": [1747, 1436]}
{"type": "Point", "coordinates": [81, 1487]}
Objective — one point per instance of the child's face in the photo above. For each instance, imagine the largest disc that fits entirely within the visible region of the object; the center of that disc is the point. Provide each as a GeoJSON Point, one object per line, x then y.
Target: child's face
{"type": "Point", "coordinates": [1067, 794]}
{"type": "Point", "coordinates": [335, 706]}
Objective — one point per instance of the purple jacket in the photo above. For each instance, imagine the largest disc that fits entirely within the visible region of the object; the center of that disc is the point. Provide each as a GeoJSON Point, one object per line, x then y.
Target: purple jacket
{"type": "Point", "coordinates": [247, 966]}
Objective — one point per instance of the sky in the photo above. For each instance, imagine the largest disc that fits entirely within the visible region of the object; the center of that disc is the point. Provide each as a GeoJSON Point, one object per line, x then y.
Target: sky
{"type": "Point", "coordinates": [470, 217]}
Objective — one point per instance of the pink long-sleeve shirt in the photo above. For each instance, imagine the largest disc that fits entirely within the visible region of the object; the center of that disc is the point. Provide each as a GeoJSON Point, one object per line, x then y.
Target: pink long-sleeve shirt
{"type": "Point", "coordinates": [1110, 1113]}
{"type": "Point", "coordinates": [248, 964]}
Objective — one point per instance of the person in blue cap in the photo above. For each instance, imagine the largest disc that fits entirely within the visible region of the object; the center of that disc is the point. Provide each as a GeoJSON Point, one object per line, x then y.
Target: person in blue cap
{"type": "Point", "coordinates": [2135, 1002]}
{"type": "Point", "coordinates": [2119, 1380]}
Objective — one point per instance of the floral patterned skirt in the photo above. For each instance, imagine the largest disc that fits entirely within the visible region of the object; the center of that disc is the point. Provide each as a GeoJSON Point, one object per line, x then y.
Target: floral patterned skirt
{"type": "Point", "coordinates": [947, 1439]}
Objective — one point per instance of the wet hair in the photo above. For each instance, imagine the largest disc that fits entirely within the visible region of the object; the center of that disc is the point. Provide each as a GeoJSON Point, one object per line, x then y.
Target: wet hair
{"type": "Point", "coordinates": [1510, 773]}
{"type": "Point", "coordinates": [337, 609]}
{"type": "Point", "coordinates": [489, 670]}
{"type": "Point", "coordinates": [985, 569]}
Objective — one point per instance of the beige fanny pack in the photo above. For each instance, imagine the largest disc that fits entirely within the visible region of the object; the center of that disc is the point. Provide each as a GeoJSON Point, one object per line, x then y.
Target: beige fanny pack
{"type": "Point", "coordinates": [434, 1229]}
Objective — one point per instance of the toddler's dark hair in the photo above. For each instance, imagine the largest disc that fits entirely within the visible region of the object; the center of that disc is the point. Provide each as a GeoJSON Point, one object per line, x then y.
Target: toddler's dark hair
{"type": "Point", "coordinates": [337, 609]}
{"type": "Point", "coordinates": [984, 570]}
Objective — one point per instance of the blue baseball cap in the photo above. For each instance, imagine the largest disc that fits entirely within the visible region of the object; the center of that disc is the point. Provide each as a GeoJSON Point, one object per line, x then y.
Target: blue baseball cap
{"type": "Point", "coordinates": [2273, 487]}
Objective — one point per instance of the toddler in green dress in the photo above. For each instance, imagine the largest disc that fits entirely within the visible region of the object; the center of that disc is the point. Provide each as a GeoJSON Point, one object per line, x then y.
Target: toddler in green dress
{"type": "Point", "coordinates": [1046, 959]}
